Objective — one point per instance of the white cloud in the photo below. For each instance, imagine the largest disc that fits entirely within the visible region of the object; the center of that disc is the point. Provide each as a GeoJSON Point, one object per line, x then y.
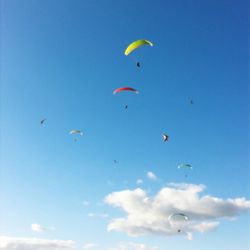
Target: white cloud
{"type": "Point", "coordinates": [205, 226]}
{"type": "Point", "coordinates": [90, 245]}
{"type": "Point", "coordinates": [139, 181]}
{"type": "Point", "coordinates": [93, 215]}
{"type": "Point", "coordinates": [149, 215]}
{"type": "Point", "coordinates": [132, 246]}
{"type": "Point", "coordinates": [189, 236]}
{"type": "Point", "coordinates": [52, 228]}
{"type": "Point", "coordinates": [9, 243]}
{"type": "Point", "coordinates": [103, 215]}
{"type": "Point", "coordinates": [37, 228]}
{"type": "Point", "coordinates": [86, 203]}
{"type": "Point", "coordinates": [151, 176]}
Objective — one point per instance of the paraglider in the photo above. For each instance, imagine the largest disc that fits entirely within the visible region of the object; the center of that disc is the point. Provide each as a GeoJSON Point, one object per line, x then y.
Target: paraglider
{"type": "Point", "coordinates": [191, 101]}
{"type": "Point", "coordinates": [43, 120]}
{"type": "Point", "coordinates": [126, 106]}
{"type": "Point", "coordinates": [178, 217]}
{"type": "Point", "coordinates": [115, 161]}
{"type": "Point", "coordinates": [177, 220]}
{"type": "Point", "coordinates": [75, 131]}
{"type": "Point", "coordinates": [138, 64]}
{"type": "Point", "coordinates": [165, 137]}
{"type": "Point", "coordinates": [125, 89]}
{"type": "Point", "coordinates": [136, 44]}
{"type": "Point", "coordinates": [185, 165]}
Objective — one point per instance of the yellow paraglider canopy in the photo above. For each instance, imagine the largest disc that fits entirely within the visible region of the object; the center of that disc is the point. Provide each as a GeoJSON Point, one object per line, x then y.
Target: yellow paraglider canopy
{"type": "Point", "coordinates": [136, 44]}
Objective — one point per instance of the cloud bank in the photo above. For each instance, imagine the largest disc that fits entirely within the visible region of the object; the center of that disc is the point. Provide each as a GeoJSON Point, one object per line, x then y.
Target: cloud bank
{"type": "Point", "coordinates": [90, 246]}
{"type": "Point", "coordinates": [150, 215]}
{"type": "Point", "coordinates": [9, 243]}
{"type": "Point", "coordinates": [132, 246]}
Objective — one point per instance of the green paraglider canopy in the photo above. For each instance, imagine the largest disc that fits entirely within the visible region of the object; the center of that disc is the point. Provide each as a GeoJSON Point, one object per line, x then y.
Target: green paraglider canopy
{"type": "Point", "coordinates": [185, 165]}
{"type": "Point", "coordinates": [75, 131]}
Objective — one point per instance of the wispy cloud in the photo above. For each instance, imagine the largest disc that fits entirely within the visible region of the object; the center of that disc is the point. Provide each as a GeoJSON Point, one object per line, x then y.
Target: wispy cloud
{"type": "Point", "coordinates": [139, 181]}
{"type": "Point", "coordinates": [149, 215]}
{"type": "Point", "coordinates": [37, 228]}
{"type": "Point", "coordinates": [9, 243]}
{"type": "Point", "coordinates": [90, 246]}
{"type": "Point", "coordinates": [85, 203]}
{"type": "Point", "coordinates": [151, 176]}
{"type": "Point", "coordinates": [96, 215]}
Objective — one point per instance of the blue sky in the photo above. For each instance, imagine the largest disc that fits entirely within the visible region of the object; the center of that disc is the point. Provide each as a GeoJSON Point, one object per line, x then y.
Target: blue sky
{"type": "Point", "coordinates": [61, 60]}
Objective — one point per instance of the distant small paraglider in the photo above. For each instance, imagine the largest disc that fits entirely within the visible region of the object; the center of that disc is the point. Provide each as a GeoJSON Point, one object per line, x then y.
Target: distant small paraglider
{"type": "Point", "coordinates": [178, 217]}
{"type": "Point", "coordinates": [76, 132]}
{"type": "Point", "coordinates": [165, 137]}
{"type": "Point", "coordinates": [126, 106]}
{"type": "Point", "coordinates": [138, 64]}
{"type": "Point", "coordinates": [43, 120]}
{"type": "Point", "coordinates": [191, 101]}
{"type": "Point", "coordinates": [115, 161]}
{"type": "Point", "coordinates": [185, 165]}
{"type": "Point", "coordinates": [125, 89]}
{"type": "Point", "coordinates": [177, 220]}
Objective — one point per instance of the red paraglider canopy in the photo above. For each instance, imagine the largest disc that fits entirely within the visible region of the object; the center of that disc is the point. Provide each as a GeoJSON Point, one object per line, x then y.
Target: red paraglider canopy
{"type": "Point", "coordinates": [125, 89]}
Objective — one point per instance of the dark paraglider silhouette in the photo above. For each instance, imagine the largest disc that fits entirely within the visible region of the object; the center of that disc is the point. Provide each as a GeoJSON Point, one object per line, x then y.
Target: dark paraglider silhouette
{"type": "Point", "coordinates": [43, 120]}
{"type": "Point", "coordinates": [165, 137]}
